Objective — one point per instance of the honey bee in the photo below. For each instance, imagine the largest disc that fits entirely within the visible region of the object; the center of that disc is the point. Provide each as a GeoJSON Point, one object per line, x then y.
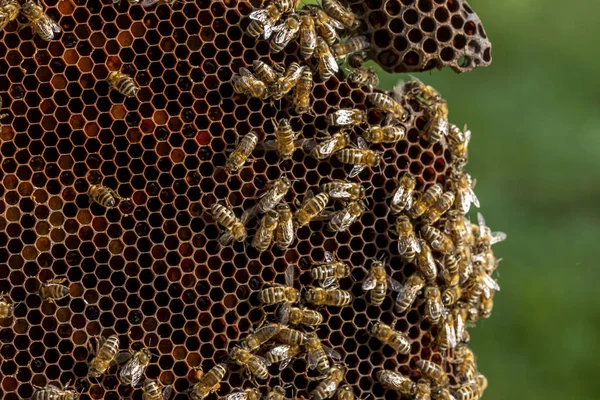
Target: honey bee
{"type": "Point", "coordinates": [363, 76]}
{"type": "Point", "coordinates": [153, 390]}
{"type": "Point", "coordinates": [441, 393]}
{"type": "Point", "coordinates": [308, 36]}
{"type": "Point", "coordinates": [247, 84]}
{"type": "Point", "coordinates": [54, 290]}
{"type": "Point", "coordinates": [253, 341]}
{"type": "Point", "coordinates": [423, 93]}
{"type": "Point", "coordinates": [329, 271]}
{"type": "Point", "coordinates": [208, 383]}
{"type": "Point", "coordinates": [328, 297]}
{"type": "Point", "coordinates": [52, 392]}
{"type": "Point", "coordinates": [326, 27]}
{"type": "Point", "coordinates": [325, 148]}
{"type": "Point", "coordinates": [439, 241]}
{"type": "Point", "coordinates": [317, 354]}
{"type": "Point", "coordinates": [286, 140]}
{"type": "Point", "coordinates": [327, 387]}
{"type": "Point", "coordinates": [9, 11]}
{"type": "Point", "coordinates": [40, 22]}
{"type": "Point", "coordinates": [408, 292]}
{"type": "Point", "coordinates": [428, 199]}
{"type": "Point", "coordinates": [341, 220]}
{"type": "Point", "coordinates": [6, 306]}
{"type": "Point", "coordinates": [396, 340]}
{"type": "Point", "coordinates": [377, 283]}
{"type": "Point", "coordinates": [438, 125]}
{"type": "Point", "coordinates": [345, 393]}
{"type": "Point", "coordinates": [423, 391]}
{"type": "Point", "coordinates": [284, 233]}
{"type": "Point", "coordinates": [463, 186]}
{"type": "Point", "coordinates": [450, 273]}
{"type": "Point", "coordinates": [394, 380]}
{"type": "Point", "coordinates": [339, 189]}
{"type": "Point", "coordinates": [355, 44]}
{"type": "Point", "coordinates": [242, 151]}
{"type": "Point", "coordinates": [122, 84]}
{"type": "Point", "coordinates": [385, 134]}
{"type": "Point", "coordinates": [285, 294]}
{"type": "Point", "coordinates": [104, 196]}
{"type": "Point", "coordinates": [482, 284]}
{"type": "Point", "coordinates": [277, 393]}
{"type": "Point", "coordinates": [462, 336]}
{"type": "Point", "coordinates": [234, 228]}
{"type": "Point", "coordinates": [466, 366]}
{"type": "Point", "coordinates": [357, 60]}
{"type": "Point", "coordinates": [459, 146]}
{"type": "Point", "coordinates": [303, 89]}
{"type": "Point", "coordinates": [346, 117]}
{"type": "Point", "coordinates": [263, 21]}
{"type": "Point", "coordinates": [402, 196]}
{"type": "Point", "coordinates": [132, 372]}
{"type": "Point", "coordinates": [283, 354]}
{"type": "Point", "coordinates": [468, 391]}
{"type": "Point", "coordinates": [451, 294]}
{"type": "Point", "coordinates": [434, 308]}
{"type": "Point", "coordinates": [150, 3]}
{"type": "Point", "coordinates": [247, 394]}
{"type": "Point", "coordinates": [266, 231]}
{"type": "Point", "coordinates": [447, 335]}
{"type": "Point", "coordinates": [285, 33]}
{"type": "Point", "coordinates": [304, 316]}
{"type": "Point", "coordinates": [253, 364]}
{"type": "Point", "coordinates": [337, 11]}
{"type": "Point", "coordinates": [266, 73]}
{"type": "Point", "coordinates": [288, 81]}
{"type": "Point", "coordinates": [106, 355]}
{"type": "Point", "coordinates": [438, 209]}
{"type": "Point", "coordinates": [432, 371]}
{"type": "Point", "coordinates": [388, 104]}
{"type": "Point", "coordinates": [458, 228]}
{"type": "Point", "coordinates": [486, 237]}
{"type": "Point", "coordinates": [327, 66]}
{"type": "Point", "coordinates": [482, 384]}
{"type": "Point", "coordinates": [292, 337]}
{"type": "Point", "coordinates": [486, 305]}
{"type": "Point", "coordinates": [274, 192]}
{"type": "Point", "coordinates": [361, 157]}
{"type": "Point", "coordinates": [407, 240]}
{"type": "Point", "coordinates": [310, 208]}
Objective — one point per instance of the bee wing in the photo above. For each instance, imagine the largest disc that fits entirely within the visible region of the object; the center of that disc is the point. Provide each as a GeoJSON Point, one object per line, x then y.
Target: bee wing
{"type": "Point", "coordinates": [336, 24]}
{"type": "Point", "coordinates": [404, 242]}
{"type": "Point", "coordinates": [394, 284]}
{"type": "Point", "coordinates": [406, 292]}
{"type": "Point", "coordinates": [357, 169]}
{"type": "Point", "coordinates": [343, 219]}
{"type": "Point", "coordinates": [339, 194]}
{"type": "Point", "coordinates": [263, 360]}
{"type": "Point", "coordinates": [344, 117]}
{"type": "Point", "coordinates": [398, 195]}
{"type": "Point", "coordinates": [270, 144]}
{"type": "Point", "coordinates": [328, 282]}
{"type": "Point", "coordinates": [489, 284]}
{"type": "Point", "coordinates": [467, 134]}
{"type": "Point", "coordinates": [327, 146]}
{"type": "Point", "coordinates": [260, 15]}
{"type": "Point", "coordinates": [246, 72]}
{"type": "Point", "coordinates": [451, 334]}
{"type": "Point", "coordinates": [329, 62]}
{"type": "Point", "coordinates": [473, 197]}
{"type": "Point", "coordinates": [329, 257]}
{"type": "Point", "coordinates": [362, 143]}
{"type": "Point", "coordinates": [262, 235]}
{"type": "Point", "coordinates": [54, 26]}
{"type": "Point", "coordinates": [134, 370]}
{"type": "Point", "coordinates": [498, 237]}
{"type": "Point", "coordinates": [284, 363]}
{"type": "Point", "coordinates": [167, 391]}
{"type": "Point", "coordinates": [481, 223]}
{"type": "Point", "coordinates": [284, 34]}
{"type": "Point", "coordinates": [332, 353]}
{"type": "Point", "coordinates": [148, 3]}
{"type": "Point", "coordinates": [226, 238]}
{"type": "Point", "coordinates": [289, 275]}
{"type": "Point", "coordinates": [123, 357]}
{"type": "Point", "coordinates": [369, 283]}
{"type": "Point", "coordinates": [460, 328]}
{"type": "Point", "coordinates": [283, 312]}
{"type": "Point", "coordinates": [313, 359]}
{"type": "Point", "coordinates": [236, 396]}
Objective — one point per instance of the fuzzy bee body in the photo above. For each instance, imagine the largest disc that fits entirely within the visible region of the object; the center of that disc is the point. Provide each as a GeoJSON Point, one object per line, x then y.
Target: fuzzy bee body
{"type": "Point", "coordinates": [51, 392]}
{"type": "Point", "coordinates": [339, 189]}
{"type": "Point", "coordinates": [208, 383]}
{"type": "Point", "coordinates": [340, 13]}
{"type": "Point", "coordinates": [247, 84]}
{"type": "Point", "coordinates": [346, 117]}
{"type": "Point", "coordinates": [396, 340]}
{"type": "Point", "coordinates": [361, 76]}
{"type": "Point", "coordinates": [6, 306]}
{"type": "Point", "coordinates": [428, 199]}
{"type": "Point", "coordinates": [328, 386]}
{"type": "Point", "coordinates": [355, 44]}
{"type": "Point", "coordinates": [122, 84]}
{"type": "Point", "coordinates": [105, 356]}
{"type": "Point", "coordinates": [132, 372]}
{"type": "Point", "coordinates": [277, 294]}
{"type": "Point", "coordinates": [274, 192]}
{"type": "Point", "coordinates": [328, 297]}
{"type": "Point", "coordinates": [345, 393]}
{"type": "Point", "coordinates": [386, 103]}
{"type": "Point", "coordinates": [9, 11]}
{"type": "Point", "coordinates": [439, 208]}
{"type": "Point", "coordinates": [285, 33]}
{"type": "Point", "coordinates": [408, 292]}
{"type": "Point", "coordinates": [277, 393]}
{"type": "Point", "coordinates": [459, 146]}
{"type": "Point", "coordinates": [288, 81]}
{"type": "Point", "coordinates": [329, 271]}
{"type": "Point", "coordinates": [402, 197]}
{"type": "Point", "coordinates": [254, 364]}
{"type": "Point", "coordinates": [433, 371]}
{"type": "Point", "coordinates": [234, 228]}
{"type": "Point", "coordinates": [54, 290]}
{"type": "Point", "coordinates": [407, 240]}
{"type": "Point", "coordinates": [153, 390]}
{"type": "Point", "coordinates": [326, 26]}
{"type": "Point", "coordinates": [377, 283]}
{"type": "Point", "coordinates": [438, 125]}
{"type": "Point", "coordinates": [359, 157]}
{"type": "Point", "coordinates": [310, 208]}
{"type": "Point", "coordinates": [282, 353]}
{"type": "Point", "coordinates": [308, 36]}
{"type": "Point", "coordinates": [341, 220]}
{"type": "Point", "coordinates": [247, 394]}
{"type": "Point", "coordinates": [104, 196]}
{"type": "Point", "coordinates": [266, 231]}
{"type": "Point", "coordinates": [304, 316]}
{"type": "Point", "coordinates": [284, 233]}
{"type": "Point", "coordinates": [40, 22]}
{"type": "Point", "coordinates": [292, 337]}
{"type": "Point", "coordinates": [263, 20]}
{"type": "Point", "coordinates": [330, 145]}
{"type": "Point", "coordinates": [253, 341]}
{"type": "Point", "coordinates": [317, 354]}
{"type": "Point", "coordinates": [265, 73]}
{"type": "Point", "coordinates": [242, 151]}
{"type": "Point", "coordinates": [327, 66]}
{"type": "Point", "coordinates": [396, 381]}
{"type": "Point", "coordinates": [434, 308]}
{"type": "Point", "coordinates": [438, 240]}
{"type": "Point", "coordinates": [303, 90]}
{"type": "Point", "coordinates": [385, 134]}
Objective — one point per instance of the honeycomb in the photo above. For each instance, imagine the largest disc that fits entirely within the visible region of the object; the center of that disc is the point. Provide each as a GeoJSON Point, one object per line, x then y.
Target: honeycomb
{"type": "Point", "coordinates": [420, 35]}
{"type": "Point", "coordinates": [151, 270]}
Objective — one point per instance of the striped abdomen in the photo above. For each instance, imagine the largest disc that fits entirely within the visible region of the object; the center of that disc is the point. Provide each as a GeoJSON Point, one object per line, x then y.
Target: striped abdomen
{"type": "Point", "coordinates": [337, 297]}
{"type": "Point", "coordinates": [272, 295]}
{"type": "Point", "coordinates": [123, 84]}
{"type": "Point", "coordinates": [378, 293]}
{"type": "Point", "coordinates": [54, 291]}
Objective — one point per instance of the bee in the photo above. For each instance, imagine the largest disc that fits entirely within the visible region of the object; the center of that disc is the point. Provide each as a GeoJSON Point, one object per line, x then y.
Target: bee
{"type": "Point", "coordinates": [317, 354]}
{"type": "Point", "coordinates": [340, 189]}
{"type": "Point", "coordinates": [286, 140]}
{"type": "Point", "coordinates": [432, 371]}
{"type": "Point", "coordinates": [423, 93]}
{"type": "Point", "coordinates": [346, 117]}
{"type": "Point", "coordinates": [285, 33]}
{"type": "Point", "coordinates": [153, 390]}
{"type": "Point", "coordinates": [345, 393]}
{"type": "Point", "coordinates": [122, 84]}
{"type": "Point", "coordinates": [253, 341]}
{"type": "Point", "coordinates": [6, 306]}
{"type": "Point", "coordinates": [438, 125]}
{"type": "Point", "coordinates": [40, 22]}
{"type": "Point", "coordinates": [434, 308]}
{"type": "Point", "coordinates": [468, 391]}
{"type": "Point", "coordinates": [377, 283]}
{"type": "Point", "coordinates": [208, 383]}
{"type": "Point", "coordinates": [247, 394]}
{"type": "Point", "coordinates": [278, 293]}
{"type": "Point", "coordinates": [283, 354]}
{"type": "Point", "coordinates": [327, 387]}
{"type": "Point", "coordinates": [396, 340]}
{"type": "Point", "coordinates": [52, 392]}
{"type": "Point", "coordinates": [328, 297]}
{"type": "Point", "coordinates": [54, 290]}
{"type": "Point", "coordinates": [465, 264]}
{"type": "Point", "coordinates": [402, 196]}
{"type": "Point", "coordinates": [482, 384]}
{"type": "Point", "coordinates": [303, 89]}
{"type": "Point", "coordinates": [483, 284]}
{"type": "Point", "coordinates": [441, 393]}
{"type": "Point", "coordinates": [438, 240]}
{"type": "Point", "coordinates": [329, 271]}
{"type": "Point", "coordinates": [150, 3]}
{"type": "Point", "coordinates": [274, 192]}
{"type": "Point", "coordinates": [394, 380]}
{"type": "Point", "coordinates": [242, 151]}
{"type": "Point", "coordinates": [464, 359]}
{"type": "Point", "coordinates": [463, 187]}
{"type": "Point", "coordinates": [486, 237]}
{"type": "Point", "coordinates": [234, 228]}
{"type": "Point", "coordinates": [292, 337]}
{"type": "Point", "coordinates": [266, 73]}
{"type": "Point", "coordinates": [326, 27]}
{"type": "Point", "coordinates": [288, 81]}
{"type": "Point", "coordinates": [486, 305]}
{"type": "Point", "coordinates": [310, 208]}
{"type": "Point", "coordinates": [284, 233]}
{"type": "Point", "coordinates": [439, 208]}
{"type": "Point", "coordinates": [447, 335]}
{"type": "Point", "coordinates": [462, 336]}
{"type": "Point", "coordinates": [253, 364]}
{"type": "Point", "coordinates": [132, 372]}
{"type": "Point", "coordinates": [266, 231]}
{"type": "Point", "coordinates": [263, 21]}
{"type": "Point", "coordinates": [325, 148]}
{"type": "Point", "coordinates": [304, 316]}
{"type": "Point", "coordinates": [327, 66]}
{"type": "Point", "coordinates": [428, 199]}
{"type": "Point", "coordinates": [341, 220]}
{"type": "Point", "coordinates": [308, 36]}
{"type": "Point", "coordinates": [458, 228]}
{"type": "Point", "coordinates": [385, 134]}
{"type": "Point", "coordinates": [423, 391]}
{"type": "Point", "coordinates": [104, 196]}
{"type": "Point", "coordinates": [426, 263]}
{"type": "Point", "coordinates": [357, 60]}
{"type": "Point", "coordinates": [9, 11]}
{"type": "Point", "coordinates": [362, 76]}
{"type": "Point", "coordinates": [459, 145]}
{"type": "Point", "coordinates": [335, 10]}
{"type": "Point", "coordinates": [361, 157]}
{"type": "Point", "coordinates": [451, 294]}
{"type": "Point", "coordinates": [450, 273]}
{"type": "Point", "coordinates": [277, 393]}
{"type": "Point", "coordinates": [407, 240]}
{"type": "Point", "coordinates": [247, 84]}
{"type": "Point", "coordinates": [106, 355]}
{"type": "Point", "coordinates": [355, 44]}
{"type": "Point", "coordinates": [408, 292]}
{"type": "Point", "coordinates": [386, 103]}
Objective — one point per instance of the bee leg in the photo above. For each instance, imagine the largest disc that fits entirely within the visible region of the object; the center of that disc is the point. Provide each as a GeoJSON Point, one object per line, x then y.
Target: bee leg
{"type": "Point", "coordinates": [116, 195]}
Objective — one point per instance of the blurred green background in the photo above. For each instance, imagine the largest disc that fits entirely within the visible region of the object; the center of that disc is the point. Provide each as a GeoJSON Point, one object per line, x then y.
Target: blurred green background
{"type": "Point", "coordinates": [535, 152]}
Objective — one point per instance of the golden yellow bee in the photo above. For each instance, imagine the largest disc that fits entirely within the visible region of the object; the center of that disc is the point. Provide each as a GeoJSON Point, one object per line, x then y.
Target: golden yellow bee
{"type": "Point", "coordinates": [466, 365]}
{"type": "Point", "coordinates": [274, 192]}
{"type": "Point", "coordinates": [385, 134]}
{"type": "Point", "coordinates": [450, 273]}
{"type": "Point", "coordinates": [337, 11]}
{"type": "Point", "coordinates": [447, 335]}
{"type": "Point", "coordinates": [438, 125]}
{"type": "Point", "coordinates": [426, 263]}
{"type": "Point", "coordinates": [106, 355]}
{"type": "Point", "coordinates": [40, 22]}
{"type": "Point", "coordinates": [330, 270]}
{"type": "Point", "coordinates": [288, 81]}
{"type": "Point", "coordinates": [460, 331]}
{"type": "Point", "coordinates": [482, 384]}
{"type": "Point", "coordinates": [304, 316]}
{"type": "Point", "coordinates": [355, 44]}
{"type": "Point", "coordinates": [284, 233]}
{"type": "Point", "coordinates": [208, 383]}
{"type": "Point", "coordinates": [439, 208]}
{"type": "Point", "coordinates": [403, 195]}
{"type": "Point", "coordinates": [360, 157]}
{"type": "Point", "coordinates": [339, 189]}
{"type": "Point", "coordinates": [423, 391]}
{"type": "Point", "coordinates": [277, 393]}
{"type": "Point", "coordinates": [104, 196]}
{"type": "Point", "coordinates": [285, 140]}
{"type": "Point", "coordinates": [253, 364]}
{"type": "Point", "coordinates": [363, 76]}
{"type": "Point", "coordinates": [253, 341]}
{"type": "Point", "coordinates": [467, 391]}
{"type": "Point", "coordinates": [463, 185]}
{"type": "Point", "coordinates": [283, 354]}
{"type": "Point", "coordinates": [386, 103]}
{"type": "Point", "coordinates": [328, 297]}
{"type": "Point", "coordinates": [267, 74]}
{"type": "Point", "coordinates": [345, 393]}
{"type": "Point", "coordinates": [247, 84]}
{"type": "Point", "coordinates": [432, 371]}
{"type": "Point", "coordinates": [263, 21]}
{"type": "Point", "coordinates": [441, 393]}
{"type": "Point", "coordinates": [153, 390]}
{"type": "Point", "coordinates": [122, 84]}
{"type": "Point", "coordinates": [407, 240]}
{"type": "Point", "coordinates": [247, 394]}
{"type": "Point", "coordinates": [9, 11]}
{"type": "Point", "coordinates": [486, 305]}
{"type": "Point", "coordinates": [428, 199]}
{"type": "Point", "coordinates": [303, 90]}
{"type": "Point", "coordinates": [423, 93]}
{"type": "Point", "coordinates": [285, 33]}
{"type": "Point", "coordinates": [328, 386]}
{"type": "Point", "coordinates": [311, 207]}
{"type": "Point", "coordinates": [281, 294]}
{"type": "Point", "coordinates": [434, 308]}
{"type": "Point", "coordinates": [292, 337]}
{"type": "Point", "coordinates": [234, 228]}
{"type": "Point", "coordinates": [387, 335]}
{"type": "Point", "coordinates": [6, 306]}
{"type": "Point", "coordinates": [342, 219]}
{"type": "Point", "coordinates": [486, 238]}
{"type": "Point", "coordinates": [438, 240]}
{"type": "Point", "coordinates": [459, 146]}
{"type": "Point", "coordinates": [357, 60]}
{"type": "Point", "coordinates": [451, 294]}
{"type": "Point", "coordinates": [308, 36]}
{"type": "Point", "coordinates": [377, 283]}
{"type": "Point", "coordinates": [132, 372]}
{"type": "Point", "coordinates": [242, 151]}
{"type": "Point", "coordinates": [345, 117]}
{"type": "Point", "coordinates": [326, 64]}
{"type": "Point", "coordinates": [54, 290]}
{"type": "Point", "coordinates": [266, 231]}
{"type": "Point", "coordinates": [317, 354]}
{"type": "Point", "coordinates": [332, 143]}
{"type": "Point", "coordinates": [458, 228]}
{"type": "Point", "coordinates": [408, 292]}
{"type": "Point", "coordinates": [396, 381]}
{"type": "Point", "coordinates": [326, 27]}
{"type": "Point", "coordinates": [52, 392]}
